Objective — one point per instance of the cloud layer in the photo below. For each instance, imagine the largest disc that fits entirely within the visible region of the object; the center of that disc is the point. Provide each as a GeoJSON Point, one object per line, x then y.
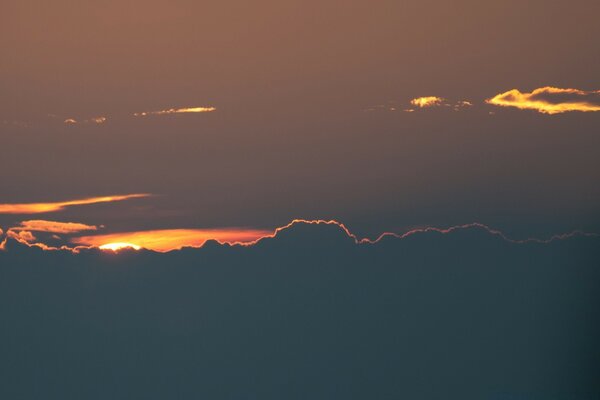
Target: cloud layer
{"type": "Point", "coordinates": [549, 100]}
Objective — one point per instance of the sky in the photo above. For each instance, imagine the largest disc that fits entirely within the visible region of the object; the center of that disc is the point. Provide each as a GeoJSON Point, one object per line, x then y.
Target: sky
{"type": "Point", "coordinates": [230, 119]}
{"type": "Point", "coordinates": [291, 199]}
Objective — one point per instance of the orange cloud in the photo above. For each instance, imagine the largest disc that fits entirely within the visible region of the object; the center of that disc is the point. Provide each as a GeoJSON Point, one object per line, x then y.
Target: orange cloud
{"type": "Point", "coordinates": [176, 111]}
{"type": "Point", "coordinates": [93, 120]}
{"type": "Point", "coordinates": [53, 226]}
{"type": "Point", "coordinates": [37, 208]}
{"type": "Point", "coordinates": [171, 239]}
{"type": "Point", "coordinates": [427, 101]}
{"type": "Point", "coordinates": [549, 100]}
{"type": "Point", "coordinates": [97, 120]}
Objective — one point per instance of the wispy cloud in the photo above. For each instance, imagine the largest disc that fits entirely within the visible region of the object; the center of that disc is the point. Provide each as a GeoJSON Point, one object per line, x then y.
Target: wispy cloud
{"type": "Point", "coordinates": [549, 100]}
{"type": "Point", "coordinates": [40, 225]}
{"type": "Point", "coordinates": [38, 208]}
{"type": "Point", "coordinates": [93, 120]}
{"type": "Point", "coordinates": [176, 111]}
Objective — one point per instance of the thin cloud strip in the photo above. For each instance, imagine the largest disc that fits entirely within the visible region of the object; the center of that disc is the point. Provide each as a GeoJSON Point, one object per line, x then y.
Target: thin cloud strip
{"type": "Point", "coordinates": [176, 111]}
{"type": "Point", "coordinates": [549, 100]}
{"type": "Point", "coordinates": [40, 225]}
{"type": "Point", "coordinates": [93, 120]}
{"type": "Point", "coordinates": [38, 208]}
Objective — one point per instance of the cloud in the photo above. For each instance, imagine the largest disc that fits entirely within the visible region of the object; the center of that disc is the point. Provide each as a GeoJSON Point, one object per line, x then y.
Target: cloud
{"type": "Point", "coordinates": [438, 308]}
{"type": "Point", "coordinates": [549, 100]}
{"type": "Point", "coordinates": [37, 208]}
{"type": "Point", "coordinates": [176, 111]}
{"type": "Point", "coordinates": [97, 120]}
{"type": "Point", "coordinates": [427, 101]}
{"type": "Point", "coordinates": [93, 120]}
{"type": "Point", "coordinates": [434, 101]}
{"type": "Point", "coordinates": [53, 226]}
{"type": "Point", "coordinates": [171, 239]}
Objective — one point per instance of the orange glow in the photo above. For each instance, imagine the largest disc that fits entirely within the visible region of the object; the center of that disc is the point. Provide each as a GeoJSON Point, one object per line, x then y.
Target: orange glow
{"type": "Point", "coordinates": [176, 111]}
{"type": "Point", "coordinates": [37, 208]}
{"type": "Point", "coordinates": [427, 101]}
{"type": "Point", "coordinates": [97, 120]}
{"type": "Point", "coordinates": [53, 226]}
{"type": "Point", "coordinates": [173, 239]}
{"type": "Point", "coordinates": [119, 246]}
{"type": "Point", "coordinates": [541, 100]}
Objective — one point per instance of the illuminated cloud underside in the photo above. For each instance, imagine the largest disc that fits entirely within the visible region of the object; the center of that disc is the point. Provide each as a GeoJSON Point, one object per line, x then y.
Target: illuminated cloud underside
{"type": "Point", "coordinates": [176, 111]}
{"type": "Point", "coordinates": [37, 208]}
{"type": "Point", "coordinates": [171, 239]}
{"type": "Point", "coordinates": [549, 100]}
{"type": "Point", "coordinates": [53, 226]}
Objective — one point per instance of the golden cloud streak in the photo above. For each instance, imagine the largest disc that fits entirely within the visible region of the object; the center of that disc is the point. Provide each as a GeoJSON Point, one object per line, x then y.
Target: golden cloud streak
{"type": "Point", "coordinates": [549, 100]}
{"type": "Point", "coordinates": [38, 208]}
{"type": "Point", "coordinates": [171, 239]}
{"type": "Point", "coordinates": [176, 111]}
{"type": "Point", "coordinates": [427, 101]}
{"type": "Point", "coordinates": [40, 225]}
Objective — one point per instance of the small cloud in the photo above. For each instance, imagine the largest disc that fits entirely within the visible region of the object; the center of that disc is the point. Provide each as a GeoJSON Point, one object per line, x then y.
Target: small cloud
{"type": "Point", "coordinates": [97, 120]}
{"type": "Point", "coordinates": [21, 236]}
{"type": "Point", "coordinates": [38, 208]}
{"type": "Point", "coordinates": [53, 226]}
{"type": "Point", "coordinates": [549, 100]}
{"type": "Point", "coordinates": [176, 111]}
{"type": "Point", "coordinates": [428, 101]}
{"type": "Point", "coordinates": [435, 101]}
{"type": "Point", "coordinates": [93, 120]}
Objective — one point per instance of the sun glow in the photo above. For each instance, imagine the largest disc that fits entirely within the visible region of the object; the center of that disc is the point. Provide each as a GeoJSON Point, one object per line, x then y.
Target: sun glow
{"type": "Point", "coordinates": [116, 246]}
{"type": "Point", "coordinates": [172, 239]}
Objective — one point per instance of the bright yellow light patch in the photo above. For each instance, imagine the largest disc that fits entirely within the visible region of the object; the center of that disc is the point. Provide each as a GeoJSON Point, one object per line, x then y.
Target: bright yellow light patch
{"type": "Point", "coordinates": [119, 246]}
{"type": "Point", "coordinates": [427, 101]}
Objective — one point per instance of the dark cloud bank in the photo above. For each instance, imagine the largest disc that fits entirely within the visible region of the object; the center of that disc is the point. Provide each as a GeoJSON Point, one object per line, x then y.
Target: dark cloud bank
{"type": "Point", "coordinates": [306, 315]}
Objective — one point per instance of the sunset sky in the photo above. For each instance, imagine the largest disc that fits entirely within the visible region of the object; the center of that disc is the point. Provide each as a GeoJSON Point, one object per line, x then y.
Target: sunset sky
{"type": "Point", "coordinates": [292, 200]}
{"type": "Point", "coordinates": [238, 116]}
